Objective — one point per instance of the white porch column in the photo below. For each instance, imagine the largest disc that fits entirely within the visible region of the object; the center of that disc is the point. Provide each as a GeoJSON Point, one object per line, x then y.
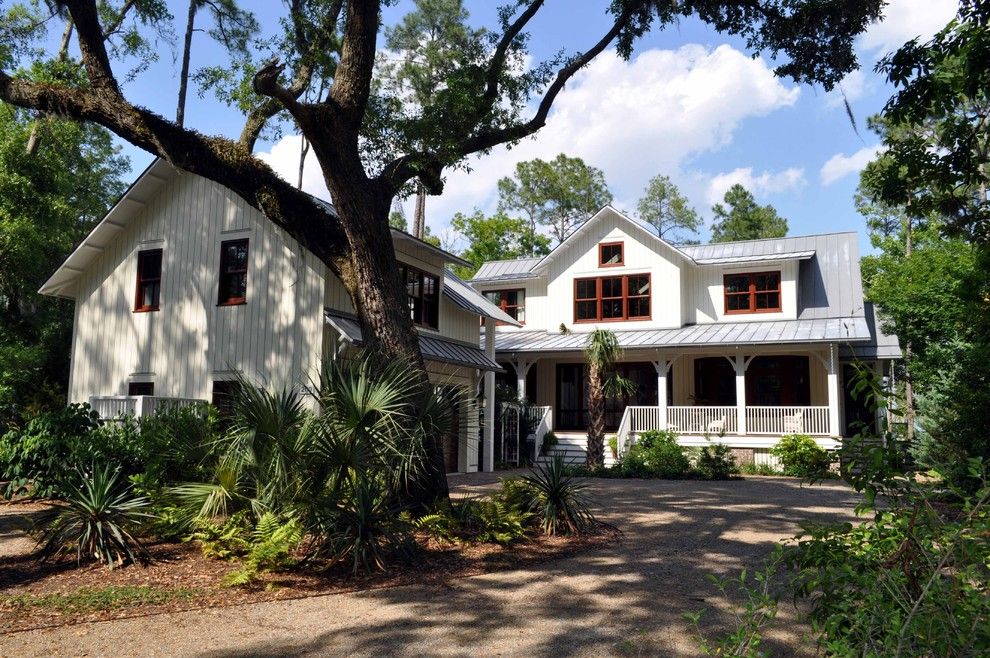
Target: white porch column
{"type": "Point", "coordinates": [833, 391]}
{"type": "Point", "coordinates": [488, 431]}
{"type": "Point", "coordinates": [740, 365]}
{"type": "Point", "coordinates": [522, 369]}
{"type": "Point", "coordinates": [663, 368]}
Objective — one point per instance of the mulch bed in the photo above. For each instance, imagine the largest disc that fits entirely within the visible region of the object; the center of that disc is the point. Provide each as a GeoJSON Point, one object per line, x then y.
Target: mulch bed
{"type": "Point", "coordinates": [181, 568]}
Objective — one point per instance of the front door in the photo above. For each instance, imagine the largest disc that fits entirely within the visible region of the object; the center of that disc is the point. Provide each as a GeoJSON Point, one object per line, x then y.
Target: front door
{"type": "Point", "coordinates": [572, 394]}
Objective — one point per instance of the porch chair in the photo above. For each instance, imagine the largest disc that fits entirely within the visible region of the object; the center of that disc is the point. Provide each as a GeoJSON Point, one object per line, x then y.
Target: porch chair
{"type": "Point", "coordinates": [716, 426]}
{"type": "Point", "coordinates": [794, 424]}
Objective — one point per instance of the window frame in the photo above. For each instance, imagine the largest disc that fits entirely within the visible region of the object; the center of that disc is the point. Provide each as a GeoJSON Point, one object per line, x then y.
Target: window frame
{"type": "Point", "coordinates": [223, 400]}
{"type": "Point", "coordinates": [404, 270]}
{"type": "Point", "coordinates": [751, 293]}
{"type": "Point", "coordinates": [131, 386]}
{"type": "Point", "coordinates": [622, 253]}
{"type": "Point", "coordinates": [625, 298]}
{"type": "Point", "coordinates": [505, 306]}
{"type": "Point", "coordinates": [226, 272]}
{"type": "Point", "coordinates": [141, 281]}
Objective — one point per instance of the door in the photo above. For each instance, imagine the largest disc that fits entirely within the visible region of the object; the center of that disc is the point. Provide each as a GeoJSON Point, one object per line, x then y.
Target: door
{"type": "Point", "coordinates": [778, 381]}
{"type": "Point", "coordinates": [572, 397]}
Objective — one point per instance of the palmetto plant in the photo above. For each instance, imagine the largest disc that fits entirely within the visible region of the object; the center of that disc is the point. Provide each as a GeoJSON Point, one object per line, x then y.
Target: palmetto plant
{"type": "Point", "coordinates": [98, 520]}
{"type": "Point", "coordinates": [558, 500]}
{"type": "Point", "coordinates": [601, 352]}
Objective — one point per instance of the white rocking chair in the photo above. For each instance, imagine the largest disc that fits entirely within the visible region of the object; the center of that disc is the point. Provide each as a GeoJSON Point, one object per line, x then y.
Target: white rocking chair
{"type": "Point", "coordinates": [794, 424]}
{"type": "Point", "coordinates": [716, 426]}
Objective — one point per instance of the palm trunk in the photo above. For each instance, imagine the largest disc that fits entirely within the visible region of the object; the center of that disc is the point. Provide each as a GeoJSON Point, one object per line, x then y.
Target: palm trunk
{"type": "Point", "coordinates": [596, 412]}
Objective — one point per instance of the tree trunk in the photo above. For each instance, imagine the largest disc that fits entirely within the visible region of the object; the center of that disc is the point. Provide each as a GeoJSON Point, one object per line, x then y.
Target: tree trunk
{"type": "Point", "coordinates": [180, 111]}
{"type": "Point", "coordinates": [419, 218]}
{"type": "Point", "coordinates": [303, 151]}
{"type": "Point", "coordinates": [909, 412]}
{"type": "Point", "coordinates": [34, 139]}
{"type": "Point", "coordinates": [596, 411]}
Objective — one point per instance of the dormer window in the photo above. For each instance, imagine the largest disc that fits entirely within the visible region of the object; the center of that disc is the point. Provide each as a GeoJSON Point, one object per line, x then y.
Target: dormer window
{"type": "Point", "coordinates": [752, 292]}
{"type": "Point", "coordinates": [610, 254]}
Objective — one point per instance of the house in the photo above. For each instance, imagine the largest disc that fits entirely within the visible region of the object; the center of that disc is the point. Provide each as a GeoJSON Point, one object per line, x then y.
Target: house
{"type": "Point", "coordinates": [183, 286]}
{"type": "Point", "coordinates": [743, 342]}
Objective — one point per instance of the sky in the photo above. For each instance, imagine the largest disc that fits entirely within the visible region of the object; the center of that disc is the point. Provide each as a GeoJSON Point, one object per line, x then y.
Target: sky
{"type": "Point", "coordinates": [690, 103]}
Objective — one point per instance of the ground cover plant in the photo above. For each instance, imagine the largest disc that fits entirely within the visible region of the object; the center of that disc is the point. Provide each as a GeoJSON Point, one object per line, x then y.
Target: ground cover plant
{"type": "Point", "coordinates": [656, 454]}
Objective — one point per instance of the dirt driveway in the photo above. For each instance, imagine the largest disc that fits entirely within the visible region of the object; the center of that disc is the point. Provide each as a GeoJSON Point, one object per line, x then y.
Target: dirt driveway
{"type": "Point", "coordinates": [628, 599]}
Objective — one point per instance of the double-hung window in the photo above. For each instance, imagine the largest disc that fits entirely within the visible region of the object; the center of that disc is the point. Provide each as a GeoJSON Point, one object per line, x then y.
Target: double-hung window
{"type": "Point", "coordinates": [512, 302]}
{"type": "Point", "coordinates": [612, 298]}
{"type": "Point", "coordinates": [752, 292]}
{"type": "Point", "coordinates": [423, 293]}
{"type": "Point", "coordinates": [233, 273]}
{"type": "Point", "coordinates": [149, 281]}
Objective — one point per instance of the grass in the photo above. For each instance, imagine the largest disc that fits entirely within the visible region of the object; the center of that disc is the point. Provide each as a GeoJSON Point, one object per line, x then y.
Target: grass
{"type": "Point", "coordinates": [97, 599]}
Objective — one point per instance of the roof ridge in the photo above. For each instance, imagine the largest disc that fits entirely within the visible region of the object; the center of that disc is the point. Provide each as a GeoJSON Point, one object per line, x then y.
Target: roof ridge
{"type": "Point", "coordinates": [784, 237]}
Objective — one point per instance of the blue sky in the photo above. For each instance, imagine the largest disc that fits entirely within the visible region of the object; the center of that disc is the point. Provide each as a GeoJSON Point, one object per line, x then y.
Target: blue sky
{"type": "Point", "coordinates": [690, 103]}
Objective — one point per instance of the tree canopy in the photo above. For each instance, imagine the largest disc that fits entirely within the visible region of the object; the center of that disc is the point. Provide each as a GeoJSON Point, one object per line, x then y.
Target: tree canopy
{"type": "Point", "coordinates": [667, 210]}
{"type": "Point", "coordinates": [498, 237]}
{"type": "Point", "coordinates": [744, 219]}
{"type": "Point", "coordinates": [560, 194]}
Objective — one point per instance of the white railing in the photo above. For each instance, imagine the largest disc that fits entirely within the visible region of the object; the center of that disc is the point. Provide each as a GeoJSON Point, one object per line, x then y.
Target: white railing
{"type": "Point", "coordinates": [625, 429]}
{"type": "Point", "coordinates": [703, 420]}
{"type": "Point", "coordinates": [115, 406]}
{"type": "Point", "coordinates": [787, 420]}
{"type": "Point", "coordinates": [544, 425]}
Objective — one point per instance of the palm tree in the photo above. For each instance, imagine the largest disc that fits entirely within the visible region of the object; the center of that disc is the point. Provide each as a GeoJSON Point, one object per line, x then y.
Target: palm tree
{"type": "Point", "coordinates": [602, 351]}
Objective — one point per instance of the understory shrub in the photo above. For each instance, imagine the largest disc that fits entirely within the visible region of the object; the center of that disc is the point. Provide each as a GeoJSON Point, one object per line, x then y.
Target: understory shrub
{"type": "Point", "coordinates": [655, 454]}
{"type": "Point", "coordinates": [801, 456]}
{"type": "Point", "coordinates": [492, 520]}
{"type": "Point", "coordinates": [716, 462]}
{"type": "Point", "coordinates": [557, 500]}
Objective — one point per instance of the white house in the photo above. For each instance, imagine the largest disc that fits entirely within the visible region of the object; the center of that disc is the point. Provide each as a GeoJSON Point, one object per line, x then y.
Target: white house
{"type": "Point", "coordinates": [183, 285]}
{"type": "Point", "coordinates": [748, 340]}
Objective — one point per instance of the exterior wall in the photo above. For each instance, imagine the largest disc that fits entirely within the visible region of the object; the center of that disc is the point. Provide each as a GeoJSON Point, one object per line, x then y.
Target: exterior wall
{"type": "Point", "coordinates": [466, 380]}
{"type": "Point", "coordinates": [276, 337]}
{"type": "Point", "coordinates": [704, 292]}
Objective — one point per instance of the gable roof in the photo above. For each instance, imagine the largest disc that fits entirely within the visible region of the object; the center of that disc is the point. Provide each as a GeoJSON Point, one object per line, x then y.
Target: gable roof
{"type": "Point", "coordinates": [144, 188]}
{"type": "Point", "coordinates": [505, 270]}
{"type": "Point", "coordinates": [470, 299]}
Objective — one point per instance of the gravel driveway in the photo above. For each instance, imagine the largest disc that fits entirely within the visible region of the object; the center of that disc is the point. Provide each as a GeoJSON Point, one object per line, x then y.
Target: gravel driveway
{"type": "Point", "coordinates": [628, 599]}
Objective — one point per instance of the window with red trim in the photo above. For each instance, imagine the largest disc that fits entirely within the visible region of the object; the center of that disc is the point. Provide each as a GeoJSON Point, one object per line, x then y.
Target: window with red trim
{"type": "Point", "coordinates": [610, 254]}
{"type": "Point", "coordinates": [233, 273]}
{"type": "Point", "coordinates": [612, 298]}
{"type": "Point", "coordinates": [423, 292]}
{"type": "Point", "coordinates": [149, 280]}
{"type": "Point", "coordinates": [752, 292]}
{"type": "Point", "coordinates": [512, 302]}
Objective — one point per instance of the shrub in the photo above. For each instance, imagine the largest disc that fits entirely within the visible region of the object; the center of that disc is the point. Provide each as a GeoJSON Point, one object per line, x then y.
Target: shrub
{"type": "Point", "coordinates": [557, 500]}
{"type": "Point", "coordinates": [801, 456]}
{"type": "Point", "coordinates": [492, 520]}
{"type": "Point", "coordinates": [273, 543]}
{"type": "Point", "coordinates": [759, 469]}
{"type": "Point", "coordinates": [98, 520]}
{"type": "Point", "coordinates": [549, 443]}
{"type": "Point", "coordinates": [716, 462]}
{"type": "Point", "coordinates": [655, 454]}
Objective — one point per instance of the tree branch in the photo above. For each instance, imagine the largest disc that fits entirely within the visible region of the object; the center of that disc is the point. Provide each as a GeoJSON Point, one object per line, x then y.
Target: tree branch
{"type": "Point", "coordinates": [352, 82]}
{"type": "Point", "coordinates": [92, 46]}
{"type": "Point", "coordinates": [498, 57]}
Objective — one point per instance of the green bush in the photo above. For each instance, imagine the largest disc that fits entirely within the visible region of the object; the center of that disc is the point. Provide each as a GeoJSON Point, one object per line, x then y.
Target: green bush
{"type": "Point", "coordinates": [759, 469]}
{"type": "Point", "coordinates": [557, 500]}
{"type": "Point", "coordinates": [99, 520]}
{"type": "Point", "coordinates": [655, 455]}
{"type": "Point", "coordinates": [716, 462]}
{"type": "Point", "coordinates": [801, 456]}
{"type": "Point", "coordinates": [492, 520]}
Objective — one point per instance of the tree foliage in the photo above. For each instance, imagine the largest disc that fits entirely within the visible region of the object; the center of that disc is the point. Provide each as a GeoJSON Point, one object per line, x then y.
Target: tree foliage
{"type": "Point", "coordinates": [667, 210]}
{"type": "Point", "coordinates": [744, 219]}
{"type": "Point", "coordinates": [496, 237]}
{"type": "Point", "coordinates": [560, 194]}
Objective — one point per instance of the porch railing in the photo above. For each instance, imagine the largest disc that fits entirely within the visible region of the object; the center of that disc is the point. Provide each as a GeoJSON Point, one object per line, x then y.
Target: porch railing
{"type": "Point", "coordinates": [787, 420]}
{"type": "Point", "coordinates": [544, 416]}
{"type": "Point", "coordinates": [703, 420]}
{"type": "Point", "coordinates": [115, 406]}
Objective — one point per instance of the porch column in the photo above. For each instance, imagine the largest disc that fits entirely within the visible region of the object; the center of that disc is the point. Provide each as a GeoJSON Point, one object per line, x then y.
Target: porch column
{"type": "Point", "coordinates": [833, 391]}
{"type": "Point", "coordinates": [663, 367]}
{"type": "Point", "coordinates": [740, 366]}
{"type": "Point", "coordinates": [488, 431]}
{"type": "Point", "coordinates": [522, 369]}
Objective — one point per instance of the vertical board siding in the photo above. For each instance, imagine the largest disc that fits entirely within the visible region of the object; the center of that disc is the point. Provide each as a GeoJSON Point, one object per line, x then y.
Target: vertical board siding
{"type": "Point", "coordinates": [276, 337]}
{"type": "Point", "coordinates": [704, 292]}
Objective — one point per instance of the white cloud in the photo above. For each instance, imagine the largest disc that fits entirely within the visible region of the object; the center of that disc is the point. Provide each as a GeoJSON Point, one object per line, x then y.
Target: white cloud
{"type": "Point", "coordinates": [284, 159]}
{"type": "Point", "coordinates": [841, 165]}
{"type": "Point", "coordinates": [906, 19]}
{"type": "Point", "coordinates": [854, 86]}
{"type": "Point", "coordinates": [767, 182]}
{"type": "Point", "coordinates": [633, 119]}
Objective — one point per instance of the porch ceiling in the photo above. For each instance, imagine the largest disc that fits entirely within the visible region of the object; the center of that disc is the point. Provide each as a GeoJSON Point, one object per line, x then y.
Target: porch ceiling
{"type": "Point", "coordinates": [828, 330]}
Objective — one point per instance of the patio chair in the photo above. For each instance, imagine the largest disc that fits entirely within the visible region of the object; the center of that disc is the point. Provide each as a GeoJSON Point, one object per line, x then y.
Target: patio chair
{"type": "Point", "coordinates": [716, 426]}
{"type": "Point", "coordinates": [794, 424]}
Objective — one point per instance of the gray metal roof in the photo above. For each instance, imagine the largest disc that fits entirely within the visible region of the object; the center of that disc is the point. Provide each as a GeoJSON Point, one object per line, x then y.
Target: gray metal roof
{"type": "Point", "coordinates": [470, 299]}
{"type": "Point", "coordinates": [831, 330]}
{"type": "Point", "coordinates": [881, 344]}
{"type": "Point", "coordinates": [723, 260]}
{"type": "Point", "coordinates": [434, 348]}
{"type": "Point", "coordinates": [502, 270]}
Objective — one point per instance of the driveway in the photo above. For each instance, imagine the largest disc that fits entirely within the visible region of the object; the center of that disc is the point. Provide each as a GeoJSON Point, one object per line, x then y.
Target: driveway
{"type": "Point", "coordinates": [628, 599]}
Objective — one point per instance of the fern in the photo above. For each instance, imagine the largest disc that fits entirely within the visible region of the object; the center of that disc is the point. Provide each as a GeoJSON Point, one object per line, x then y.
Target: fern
{"type": "Point", "coordinates": [440, 526]}
{"type": "Point", "coordinates": [273, 542]}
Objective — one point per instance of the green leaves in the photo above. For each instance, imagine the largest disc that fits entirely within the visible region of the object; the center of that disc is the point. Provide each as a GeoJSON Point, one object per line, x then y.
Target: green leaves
{"type": "Point", "coordinates": [744, 219]}
{"type": "Point", "coordinates": [498, 237]}
{"type": "Point", "coordinates": [667, 210]}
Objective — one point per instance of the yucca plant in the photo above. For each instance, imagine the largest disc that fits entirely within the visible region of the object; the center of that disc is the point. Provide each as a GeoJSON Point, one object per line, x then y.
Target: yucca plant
{"type": "Point", "coordinates": [99, 520]}
{"type": "Point", "coordinates": [558, 500]}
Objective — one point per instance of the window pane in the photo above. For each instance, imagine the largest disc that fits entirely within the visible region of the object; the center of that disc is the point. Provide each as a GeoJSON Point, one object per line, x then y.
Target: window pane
{"type": "Point", "coordinates": [151, 265]}
{"type": "Point", "coordinates": [611, 308]}
{"type": "Point", "coordinates": [612, 287]}
{"type": "Point", "coordinates": [511, 297]}
{"type": "Point", "coordinates": [767, 281]}
{"type": "Point", "coordinates": [737, 302]}
{"type": "Point", "coordinates": [586, 289]}
{"type": "Point", "coordinates": [767, 300]}
{"type": "Point", "coordinates": [639, 307]}
{"type": "Point", "coordinates": [736, 284]}
{"type": "Point", "coordinates": [494, 296]}
{"type": "Point", "coordinates": [639, 285]}
{"type": "Point", "coordinates": [611, 254]}
{"type": "Point", "coordinates": [586, 310]}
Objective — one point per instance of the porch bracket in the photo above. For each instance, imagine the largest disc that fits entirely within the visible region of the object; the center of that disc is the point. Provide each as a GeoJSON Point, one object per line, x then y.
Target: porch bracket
{"type": "Point", "coordinates": [522, 367]}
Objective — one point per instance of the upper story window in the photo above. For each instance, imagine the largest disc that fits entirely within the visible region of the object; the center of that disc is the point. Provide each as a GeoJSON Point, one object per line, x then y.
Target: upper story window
{"type": "Point", "coordinates": [233, 273]}
{"type": "Point", "coordinates": [512, 302]}
{"type": "Point", "coordinates": [612, 298]}
{"type": "Point", "coordinates": [141, 388]}
{"type": "Point", "coordinates": [423, 290]}
{"type": "Point", "coordinates": [755, 292]}
{"type": "Point", "coordinates": [149, 280]}
{"type": "Point", "coordinates": [610, 254]}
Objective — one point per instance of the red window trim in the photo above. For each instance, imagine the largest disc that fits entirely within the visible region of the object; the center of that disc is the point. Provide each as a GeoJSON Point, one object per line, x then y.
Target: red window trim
{"type": "Point", "coordinates": [622, 253]}
{"type": "Point", "coordinates": [435, 298]}
{"type": "Point", "coordinates": [625, 299]}
{"type": "Point", "coordinates": [504, 306]}
{"type": "Point", "coordinates": [233, 301]}
{"type": "Point", "coordinates": [138, 306]}
{"type": "Point", "coordinates": [751, 293]}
